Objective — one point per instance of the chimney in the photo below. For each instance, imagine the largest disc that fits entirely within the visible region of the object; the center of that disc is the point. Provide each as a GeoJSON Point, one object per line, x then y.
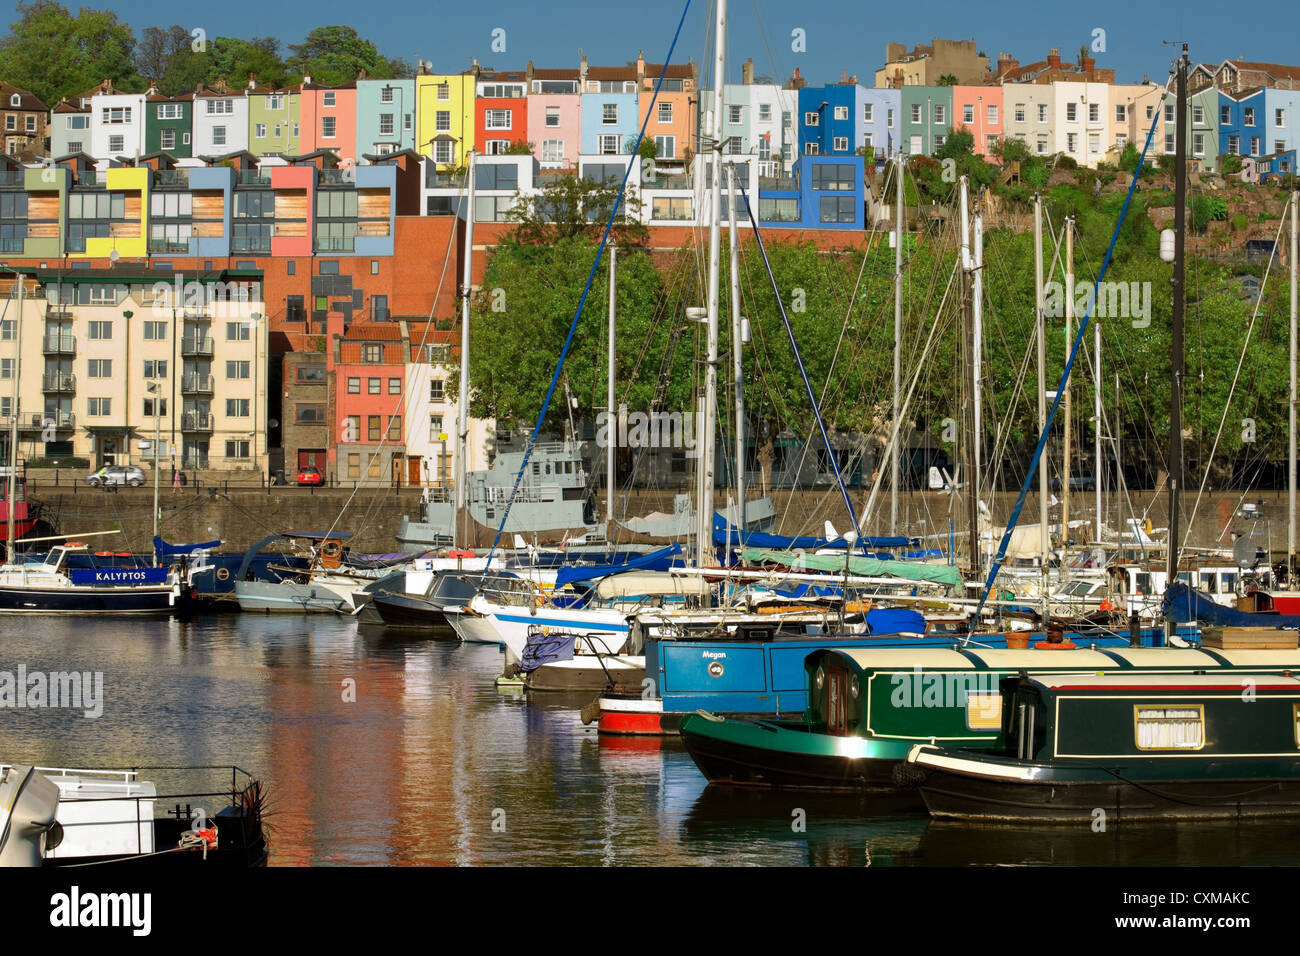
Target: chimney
{"type": "Point", "coordinates": [582, 69]}
{"type": "Point", "coordinates": [1054, 58]}
{"type": "Point", "coordinates": [252, 81]}
{"type": "Point", "coordinates": [853, 79]}
{"type": "Point", "coordinates": [306, 79]}
{"type": "Point", "coordinates": [796, 81]}
{"type": "Point", "coordinates": [640, 67]}
{"type": "Point", "coordinates": [529, 73]}
{"type": "Point", "coordinates": [894, 52]}
{"type": "Point", "coordinates": [747, 72]}
{"type": "Point", "coordinates": [1087, 63]}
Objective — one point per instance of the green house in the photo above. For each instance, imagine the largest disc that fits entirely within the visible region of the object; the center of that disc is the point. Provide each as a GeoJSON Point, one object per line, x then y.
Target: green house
{"type": "Point", "coordinates": [168, 124]}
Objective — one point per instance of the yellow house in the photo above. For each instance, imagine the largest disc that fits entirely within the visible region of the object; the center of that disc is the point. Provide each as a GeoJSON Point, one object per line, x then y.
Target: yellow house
{"type": "Point", "coordinates": [124, 203]}
{"type": "Point", "coordinates": [444, 124]}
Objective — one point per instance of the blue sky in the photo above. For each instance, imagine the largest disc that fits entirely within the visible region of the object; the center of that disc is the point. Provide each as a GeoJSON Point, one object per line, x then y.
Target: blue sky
{"type": "Point", "coordinates": [841, 34]}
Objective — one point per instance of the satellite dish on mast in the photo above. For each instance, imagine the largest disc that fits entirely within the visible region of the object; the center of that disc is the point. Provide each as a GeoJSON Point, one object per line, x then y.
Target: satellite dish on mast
{"type": "Point", "coordinates": [1246, 552]}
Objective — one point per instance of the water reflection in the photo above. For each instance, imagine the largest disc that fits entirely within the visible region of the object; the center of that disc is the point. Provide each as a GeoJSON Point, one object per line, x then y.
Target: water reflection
{"type": "Point", "coordinates": [380, 748]}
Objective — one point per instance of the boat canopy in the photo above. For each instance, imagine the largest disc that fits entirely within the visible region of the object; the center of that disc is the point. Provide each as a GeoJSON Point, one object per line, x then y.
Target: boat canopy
{"type": "Point", "coordinates": [724, 535]}
{"type": "Point", "coordinates": [165, 550]}
{"type": "Point", "coordinates": [1186, 605]}
{"type": "Point", "coordinates": [636, 583]}
{"type": "Point", "coordinates": [571, 575]}
{"type": "Point", "coordinates": [865, 567]}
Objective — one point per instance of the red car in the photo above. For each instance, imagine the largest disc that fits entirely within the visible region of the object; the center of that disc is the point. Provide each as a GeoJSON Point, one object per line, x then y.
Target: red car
{"type": "Point", "coordinates": [310, 476]}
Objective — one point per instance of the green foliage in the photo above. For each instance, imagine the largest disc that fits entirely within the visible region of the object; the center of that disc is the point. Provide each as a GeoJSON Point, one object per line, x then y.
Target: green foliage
{"type": "Point", "coordinates": [569, 206]}
{"type": "Point", "coordinates": [334, 55]}
{"type": "Point", "coordinates": [947, 79]}
{"type": "Point", "coordinates": [1230, 163]}
{"type": "Point", "coordinates": [54, 54]}
{"type": "Point", "coordinates": [1239, 222]}
{"type": "Point", "coordinates": [520, 148]}
{"type": "Point", "coordinates": [1206, 209]}
{"type": "Point", "coordinates": [226, 58]}
{"type": "Point", "coordinates": [1128, 160]}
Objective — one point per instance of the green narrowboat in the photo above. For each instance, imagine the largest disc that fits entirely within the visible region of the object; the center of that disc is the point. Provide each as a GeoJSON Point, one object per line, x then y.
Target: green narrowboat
{"type": "Point", "coordinates": [869, 707]}
{"type": "Point", "coordinates": [1123, 746]}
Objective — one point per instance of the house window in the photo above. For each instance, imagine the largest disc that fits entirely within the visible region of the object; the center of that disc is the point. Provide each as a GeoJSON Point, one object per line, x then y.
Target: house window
{"type": "Point", "coordinates": [309, 414]}
{"type": "Point", "coordinates": [810, 149]}
{"type": "Point", "coordinates": [609, 113]}
{"type": "Point", "coordinates": [1169, 728]}
{"type": "Point", "coordinates": [868, 111]}
{"type": "Point", "coordinates": [372, 386]}
{"type": "Point", "coordinates": [1254, 147]}
{"type": "Point", "coordinates": [149, 409]}
{"type": "Point", "coordinates": [435, 428]}
{"type": "Point", "coordinates": [1279, 117]}
{"type": "Point", "coordinates": [167, 139]}
{"type": "Point", "coordinates": [238, 331]}
{"type": "Point", "coordinates": [275, 102]}
{"type": "Point", "coordinates": [237, 369]}
{"type": "Point", "coordinates": [841, 144]}
{"type": "Point", "coordinates": [1248, 114]}
{"type": "Point", "coordinates": [444, 92]}
{"type": "Point", "coordinates": [442, 121]}
{"type": "Point", "coordinates": [665, 112]}
{"type": "Point", "coordinates": [968, 113]}
{"type": "Point", "coordinates": [1121, 113]}
{"type": "Point", "coordinates": [812, 119]}
{"type": "Point", "coordinates": [1234, 145]}
{"type": "Point", "coordinates": [155, 331]}
{"type": "Point", "coordinates": [101, 330]}
{"type": "Point", "coordinates": [1198, 144]}
{"type": "Point", "coordinates": [1094, 112]}
{"type": "Point", "coordinates": [237, 407]}
{"type": "Point", "coordinates": [1071, 142]}
{"type": "Point", "coordinates": [328, 98]}
{"type": "Point", "coordinates": [220, 106]}
{"type": "Point", "coordinates": [78, 122]}
{"type": "Point", "coordinates": [552, 151]}
{"type": "Point", "coordinates": [1225, 115]}
{"type": "Point", "coordinates": [372, 427]}
{"type": "Point", "coordinates": [916, 112]}
{"type": "Point", "coordinates": [838, 208]}
{"type": "Point", "coordinates": [1169, 112]}
{"type": "Point", "coordinates": [386, 124]}
{"type": "Point", "coordinates": [1279, 146]}
{"type": "Point", "coordinates": [99, 407]}
{"type": "Point", "coordinates": [940, 117]}
{"type": "Point", "coordinates": [218, 136]}
{"type": "Point", "coordinates": [437, 390]}
{"type": "Point", "coordinates": [328, 124]}
{"type": "Point", "coordinates": [889, 118]}
{"type": "Point", "coordinates": [841, 112]}
{"type": "Point", "coordinates": [992, 113]}
{"type": "Point", "coordinates": [1169, 142]}
{"type": "Point", "coordinates": [1071, 112]}
{"type": "Point", "coordinates": [236, 449]}
{"type": "Point", "coordinates": [259, 130]}
{"type": "Point", "coordinates": [155, 368]}
{"type": "Point", "coordinates": [99, 368]}
{"type": "Point", "coordinates": [666, 147]}
{"type": "Point", "coordinates": [354, 386]}
{"type": "Point", "coordinates": [386, 94]}
{"type": "Point", "coordinates": [394, 386]}
{"type": "Point", "coordinates": [765, 112]}
{"type": "Point", "coordinates": [552, 116]}
{"type": "Point", "coordinates": [116, 115]}
{"type": "Point", "coordinates": [394, 428]}
{"type": "Point", "coordinates": [116, 144]}
{"type": "Point", "coordinates": [442, 153]}
{"type": "Point", "coordinates": [608, 145]}
{"type": "Point", "coordinates": [498, 119]}
{"type": "Point", "coordinates": [1042, 112]}
{"type": "Point", "coordinates": [1042, 145]}
{"type": "Point", "coordinates": [372, 354]}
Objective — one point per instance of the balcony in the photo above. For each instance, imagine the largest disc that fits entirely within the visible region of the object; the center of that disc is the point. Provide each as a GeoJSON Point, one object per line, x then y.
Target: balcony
{"type": "Point", "coordinates": [172, 177]}
{"type": "Point", "coordinates": [661, 181]}
{"type": "Point", "coordinates": [58, 313]}
{"type": "Point", "coordinates": [11, 178]}
{"type": "Point", "coordinates": [59, 382]}
{"type": "Point", "coordinates": [336, 177]}
{"type": "Point", "coordinates": [197, 315]}
{"type": "Point", "coordinates": [776, 184]}
{"type": "Point", "coordinates": [175, 246]}
{"type": "Point", "coordinates": [196, 422]}
{"type": "Point", "coordinates": [59, 344]}
{"type": "Point", "coordinates": [254, 177]}
{"type": "Point", "coordinates": [196, 385]}
{"type": "Point", "coordinates": [15, 246]}
{"type": "Point", "coordinates": [437, 180]}
{"type": "Point", "coordinates": [196, 346]}
{"type": "Point", "coordinates": [61, 421]}
{"type": "Point", "coordinates": [336, 244]}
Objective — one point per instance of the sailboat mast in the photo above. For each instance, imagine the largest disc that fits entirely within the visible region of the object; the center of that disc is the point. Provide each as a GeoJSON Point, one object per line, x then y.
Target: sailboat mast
{"type": "Point", "coordinates": [900, 165]}
{"type": "Point", "coordinates": [704, 536]}
{"type": "Point", "coordinates": [1096, 413]}
{"type": "Point", "coordinates": [462, 407]}
{"type": "Point", "coordinates": [977, 352]}
{"type": "Point", "coordinates": [611, 424]}
{"type": "Point", "coordinates": [1291, 471]}
{"type": "Point", "coordinates": [1175, 464]}
{"type": "Point", "coordinates": [967, 266]}
{"type": "Point", "coordinates": [1069, 418]}
{"type": "Point", "coordinates": [13, 423]}
{"type": "Point", "coordinates": [1040, 323]}
{"type": "Point", "coordinates": [737, 352]}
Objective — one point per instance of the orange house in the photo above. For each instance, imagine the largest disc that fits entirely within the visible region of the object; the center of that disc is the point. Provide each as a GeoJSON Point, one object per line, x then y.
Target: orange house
{"type": "Point", "coordinates": [329, 119]}
{"type": "Point", "coordinates": [672, 125]}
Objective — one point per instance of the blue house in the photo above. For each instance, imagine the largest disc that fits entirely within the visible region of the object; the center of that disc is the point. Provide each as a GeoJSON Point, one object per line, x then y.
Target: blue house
{"type": "Point", "coordinates": [1242, 119]}
{"type": "Point", "coordinates": [822, 192]}
{"type": "Point", "coordinates": [828, 120]}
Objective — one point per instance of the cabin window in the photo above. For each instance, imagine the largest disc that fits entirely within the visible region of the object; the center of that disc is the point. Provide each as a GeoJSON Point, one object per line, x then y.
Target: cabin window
{"type": "Point", "coordinates": [1143, 583]}
{"type": "Point", "coordinates": [983, 710]}
{"type": "Point", "coordinates": [1025, 738]}
{"type": "Point", "coordinates": [1169, 728]}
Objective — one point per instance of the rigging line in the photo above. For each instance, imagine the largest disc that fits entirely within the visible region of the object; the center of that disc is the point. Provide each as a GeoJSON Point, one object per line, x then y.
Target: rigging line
{"type": "Point", "coordinates": [1060, 391]}
{"type": "Point", "coordinates": [803, 372]}
{"type": "Point", "coordinates": [1227, 405]}
{"type": "Point", "coordinates": [577, 316]}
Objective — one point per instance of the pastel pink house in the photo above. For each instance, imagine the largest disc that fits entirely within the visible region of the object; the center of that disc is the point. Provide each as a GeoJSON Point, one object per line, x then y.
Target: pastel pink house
{"type": "Point", "coordinates": [329, 119]}
{"type": "Point", "coordinates": [978, 109]}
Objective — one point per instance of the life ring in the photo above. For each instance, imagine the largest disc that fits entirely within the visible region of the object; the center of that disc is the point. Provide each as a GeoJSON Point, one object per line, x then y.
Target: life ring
{"type": "Point", "coordinates": [223, 574]}
{"type": "Point", "coordinates": [331, 554]}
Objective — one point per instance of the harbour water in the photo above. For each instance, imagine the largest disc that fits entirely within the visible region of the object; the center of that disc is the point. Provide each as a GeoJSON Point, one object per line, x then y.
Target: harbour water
{"type": "Point", "coordinates": [380, 749]}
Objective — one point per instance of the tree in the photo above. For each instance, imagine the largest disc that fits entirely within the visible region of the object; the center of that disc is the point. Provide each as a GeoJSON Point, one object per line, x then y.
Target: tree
{"type": "Point", "coordinates": [334, 55]}
{"type": "Point", "coordinates": [157, 47]}
{"type": "Point", "coordinates": [1231, 163]}
{"type": "Point", "coordinates": [947, 79]}
{"type": "Point", "coordinates": [54, 54]}
{"type": "Point", "coordinates": [1128, 160]}
{"type": "Point", "coordinates": [226, 58]}
{"type": "Point", "coordinates": [570, 206]}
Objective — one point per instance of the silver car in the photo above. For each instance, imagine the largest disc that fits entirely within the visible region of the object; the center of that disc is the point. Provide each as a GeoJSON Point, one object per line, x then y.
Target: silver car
{"type": "Point", "coordinates": [117, 475]}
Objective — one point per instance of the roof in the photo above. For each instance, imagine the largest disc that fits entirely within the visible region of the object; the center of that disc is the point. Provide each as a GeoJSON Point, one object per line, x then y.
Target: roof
{"type": "Point", "coordinates": [26, 101]}
{"type": "Point", "coordinates": [1223, 681]}
{"type": "Point", "coordinates": [373, 332]}
{"type": "Point", "coordinates": [1275, 70]}
{"type": "Point", "coordinates": [682, 71]}
{"type": "Point", "coordinates": [512, 76]}
{"type": "Point", "coordinates": [566, 74]}
{"type": "Point", "coordinates": [611, 72]}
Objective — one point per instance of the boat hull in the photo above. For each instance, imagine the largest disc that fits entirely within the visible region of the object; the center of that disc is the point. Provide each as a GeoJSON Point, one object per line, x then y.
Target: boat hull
{"type": "Point", "coordinates": [32, 600]}
{"type": "Point", "coordinates": [585, 672]}
{"type": "Point", "coordinates": [289, 598]}
{"type": "Point", "coordinates": [404, 611]}
{"type": "Point", "coordinates": [767, 753]}
{"type": "Point", "coordinates": [977, 789]}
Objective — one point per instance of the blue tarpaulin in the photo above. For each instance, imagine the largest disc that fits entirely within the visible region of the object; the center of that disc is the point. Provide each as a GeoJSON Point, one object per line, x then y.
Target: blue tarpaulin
{"type": "Point", "coordinates": [1187, 605]}
{"type": "Point", "coordinates": [546, 649]}
{"type": "Point", "coordinates": [781, 542]}
{"type": "Point", "coordinates": [895, 620]}
{"type": "Point", "coordinates": [165, 550]}
{"type": "Point", "coordinates": [640, 562]}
